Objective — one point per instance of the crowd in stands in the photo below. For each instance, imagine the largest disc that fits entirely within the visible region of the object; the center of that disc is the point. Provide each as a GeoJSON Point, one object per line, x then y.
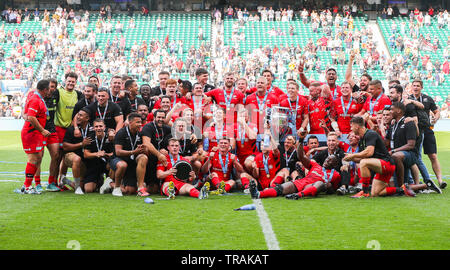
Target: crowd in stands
{"type": "Point", "coordinates": [412, 43]}
{"type": "Point", "coordinates": [339, 39]}
{"type": "Point", "coordinates": [66, 45]}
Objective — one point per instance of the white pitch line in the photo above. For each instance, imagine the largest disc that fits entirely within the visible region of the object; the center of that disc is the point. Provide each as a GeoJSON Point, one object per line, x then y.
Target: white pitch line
{"type": "Point", "coordinates": [16, 181]}
{"type": "Point", "coordinates": [269, 235]}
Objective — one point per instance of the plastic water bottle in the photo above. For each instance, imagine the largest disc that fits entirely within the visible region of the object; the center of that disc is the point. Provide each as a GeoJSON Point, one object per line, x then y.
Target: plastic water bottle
{"type": "Point", "coordinates": [246, 207]}
{"type": "Point", "coordinates": [205, 144]}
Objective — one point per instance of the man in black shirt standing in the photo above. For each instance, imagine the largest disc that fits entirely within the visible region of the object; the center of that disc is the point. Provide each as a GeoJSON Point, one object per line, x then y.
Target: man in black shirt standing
{"type": "Point", "coordinates": [364, 80]}
{"type": "Point", "coordinates": [202, 76]}
{"type": "Point", "coordinates": [132, 90]}
{"type": "Point", "coordinates": [52, 141]}
{"type": "Point", "coordinates": [160, 90]}
{"type": "Point", "coordinates": [108, 111]}
{"type": "Point", "coordinates": [373, 157]}
{"type": "Point", "coordinates": [429, 140]}
{"type": "Point", "coordinates": [117, 96]}
{"type": "Point", "coordinates": [145, 92]}
{"type": "Point", "coordinates": [89, 92]}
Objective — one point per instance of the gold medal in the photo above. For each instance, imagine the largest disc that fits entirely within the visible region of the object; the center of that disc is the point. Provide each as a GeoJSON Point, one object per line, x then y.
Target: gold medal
{"type": "Point", "coordinates": [268, 175]}
{"type": "Point", "coordinates": [225, 175]}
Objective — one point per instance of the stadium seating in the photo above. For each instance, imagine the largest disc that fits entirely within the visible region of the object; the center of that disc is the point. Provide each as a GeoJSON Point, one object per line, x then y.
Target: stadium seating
{"type": "Point", "coordinates": [185, 27]}
{"type": "Point", "coordinates": [443, 90]}
{"type": "Point", "coordinates": [256, 36]}
{"type": "Point", "coordinates": [28, 27]}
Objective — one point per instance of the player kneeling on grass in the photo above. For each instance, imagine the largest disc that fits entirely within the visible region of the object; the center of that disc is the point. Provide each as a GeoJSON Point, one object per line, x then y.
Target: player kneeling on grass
{"type": "Point", "coordinates": [373, 157]}
{"type": "Point", "coordinates": [130, 159]}
{"type": "Point", "coordinates": [97, 155]}
{"type": "Point", "coordinates": [172, 185]}
{"type": "Point", "coordinates": [220, 164]}
{"type": "Point", "coordinates": [73, 147]}
{"type": "Point", "coordinates": [314, 182]}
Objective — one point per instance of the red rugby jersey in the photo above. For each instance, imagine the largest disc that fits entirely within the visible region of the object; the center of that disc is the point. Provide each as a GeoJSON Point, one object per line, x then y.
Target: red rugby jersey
{"type": "Point", "coordinates": [318, 110]}
{"type": "Point", "coordinates": [35, 106]}
{"type": "Point", "coordinates": [273, 162]}
{"type": "Point", "coordinates": [216, 165]}
{"type": "Point", "coordinates": [343, 111]}
{"type": "Point", "coordinates": [373, 105]}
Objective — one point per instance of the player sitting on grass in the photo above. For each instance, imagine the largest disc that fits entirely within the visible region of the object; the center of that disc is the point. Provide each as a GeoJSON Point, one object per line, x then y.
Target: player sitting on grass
{"type": "Point", "coordinates": [314, 182]}
{"type": "Point", "coordinates": [220, 164]}
{"type": "Point", "coordinates": [172, 185]}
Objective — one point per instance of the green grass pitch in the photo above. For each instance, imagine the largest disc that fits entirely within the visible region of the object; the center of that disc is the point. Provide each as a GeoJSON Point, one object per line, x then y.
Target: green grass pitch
{"type": "Point", "coordinates": [52, 220]}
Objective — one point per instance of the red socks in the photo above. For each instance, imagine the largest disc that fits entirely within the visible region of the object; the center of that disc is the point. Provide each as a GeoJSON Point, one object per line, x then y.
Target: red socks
{"type": "Point", "coordinates": [51, 179]}
{"type": "Point", "coordinates": [194, 193]}
{"type": "Point", "coordinates": [391, 191]}
{"type": "Point", "coordinates": [311, 191]}
{"type": "Point", "coordinates": [278, 180]}
{"type": "Point", "coordinates": [270, 192]}
{"type": "Point", "coordinates": [37, 179]}
{"type": "Point", "coordinates": [30, 170]}
{"type": "Point", "coordinates": [365, 184]}
{"type": "Point", "coordinates": [245, 182]}
{"type": "Point", "coordinates": [215, 181]}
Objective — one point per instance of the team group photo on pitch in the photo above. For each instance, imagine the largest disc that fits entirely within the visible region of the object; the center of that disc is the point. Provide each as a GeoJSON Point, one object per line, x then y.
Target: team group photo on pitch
{"type": "Point", "coordinates": [184, 139]}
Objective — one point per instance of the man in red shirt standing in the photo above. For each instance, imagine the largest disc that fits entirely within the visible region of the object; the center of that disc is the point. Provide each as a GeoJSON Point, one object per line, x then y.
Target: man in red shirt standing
{"type": "Point", "coordinates": [343, 109]}
{"type": "Point", "coordinates": [270, 87]}
{"type": "Point", "coordinates": [245, 134]}
{"type": "Point", "coordinates": [297, 105]}
{"type": "Point", "coordinates": [331, 77]}
{"type": "Point", "coordinates": [318, 109]}
{"type": "Point", "coordinates": [258, 103]}
{"type": "Point", "coordinates": [377, 103]}
{"type": "Point", "coordinates": [228, 97]}
{"type": "Point", "coordinates": [33, 133]}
